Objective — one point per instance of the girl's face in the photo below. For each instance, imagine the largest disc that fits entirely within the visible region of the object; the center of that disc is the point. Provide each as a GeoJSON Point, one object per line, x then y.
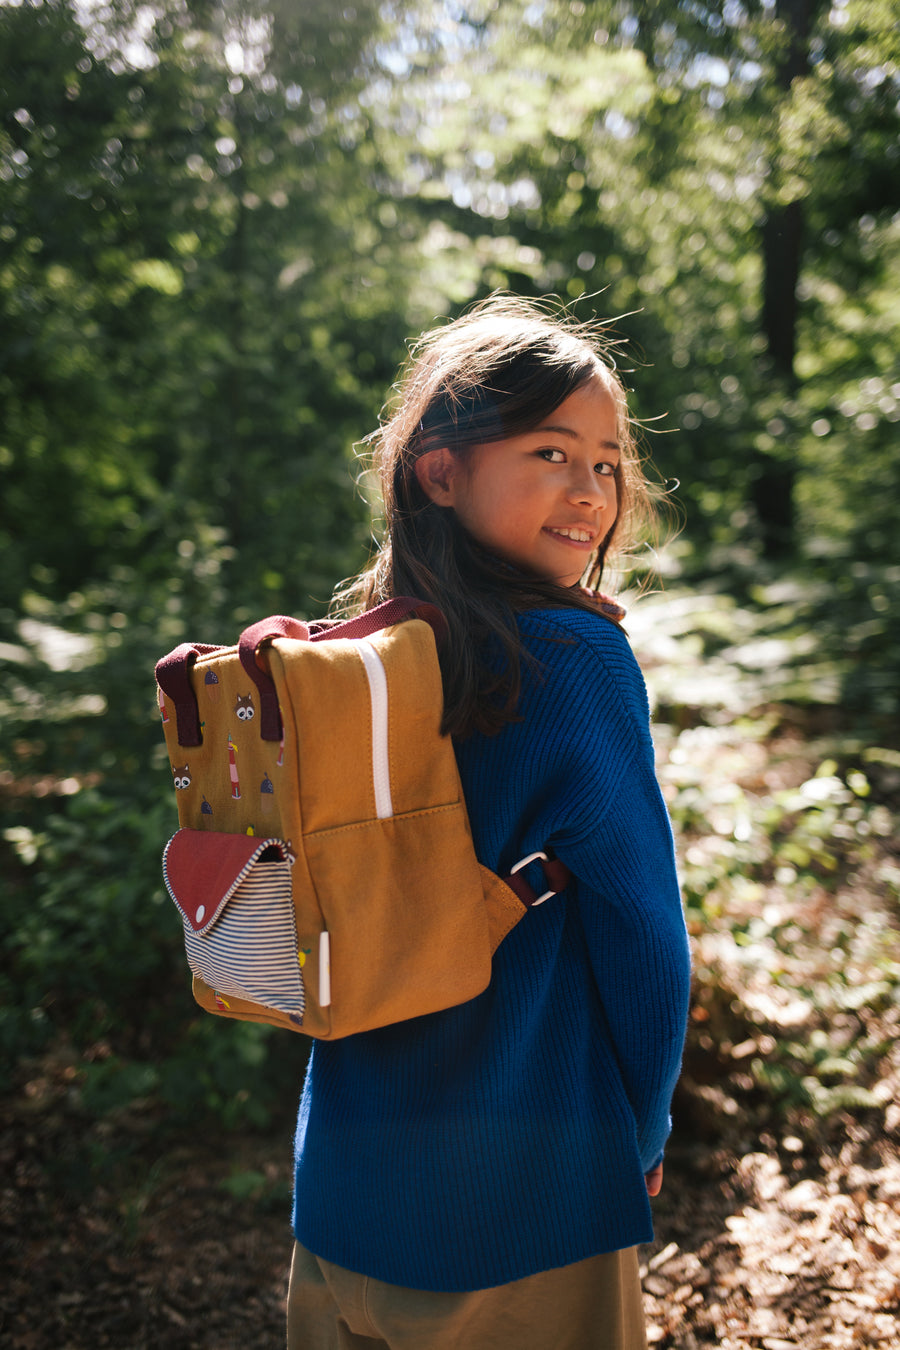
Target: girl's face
{"type": "Point", "coordinates": [545, 499]}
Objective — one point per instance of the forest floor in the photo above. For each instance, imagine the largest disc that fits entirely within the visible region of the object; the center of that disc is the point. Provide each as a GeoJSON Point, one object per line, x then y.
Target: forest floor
{"type": "Point", "coordinates": [779, 1220]}
{"type": "Point", "coordinates": [110, 1240]}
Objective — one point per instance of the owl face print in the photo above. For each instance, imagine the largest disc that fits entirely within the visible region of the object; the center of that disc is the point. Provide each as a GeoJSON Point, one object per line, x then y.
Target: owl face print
{"type": "Point", "coordinates": [181, 776]}
{"type": "Point", "coordinates": [244, 707]}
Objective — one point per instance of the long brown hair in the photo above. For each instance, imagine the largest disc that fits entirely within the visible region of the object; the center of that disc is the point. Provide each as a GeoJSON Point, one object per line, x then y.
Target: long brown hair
{"type": "Point", "coordinates": [496, 372]}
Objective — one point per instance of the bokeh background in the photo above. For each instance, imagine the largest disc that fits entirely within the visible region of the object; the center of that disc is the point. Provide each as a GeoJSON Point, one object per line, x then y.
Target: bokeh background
{"type": "Point", "coordinates": [220, 224]}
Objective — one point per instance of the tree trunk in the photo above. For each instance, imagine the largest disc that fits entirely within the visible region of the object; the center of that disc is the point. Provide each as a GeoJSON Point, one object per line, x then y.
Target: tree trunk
{"type": "Point", "coordinates": [773, 484]}
{"type": "Point", "coordinates": [782, 252]}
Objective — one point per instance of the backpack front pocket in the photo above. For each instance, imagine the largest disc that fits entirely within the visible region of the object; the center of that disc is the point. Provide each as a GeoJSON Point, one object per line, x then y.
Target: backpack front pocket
{"type": "Point", "coordinates": [233, 892]}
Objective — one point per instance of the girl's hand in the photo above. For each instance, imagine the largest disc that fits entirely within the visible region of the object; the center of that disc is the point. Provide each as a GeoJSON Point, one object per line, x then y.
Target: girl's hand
{"type": "Point", "coordinates": [654, 1180]}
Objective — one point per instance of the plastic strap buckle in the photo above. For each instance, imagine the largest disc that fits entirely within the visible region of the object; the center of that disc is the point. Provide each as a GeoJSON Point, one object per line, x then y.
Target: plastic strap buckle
{"type": "Point", "coordinates": [523, 862]}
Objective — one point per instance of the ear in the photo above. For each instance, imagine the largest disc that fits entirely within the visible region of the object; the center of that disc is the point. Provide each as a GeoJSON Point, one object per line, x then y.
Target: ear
{"type": "Point", "coordinates": [436, 471]}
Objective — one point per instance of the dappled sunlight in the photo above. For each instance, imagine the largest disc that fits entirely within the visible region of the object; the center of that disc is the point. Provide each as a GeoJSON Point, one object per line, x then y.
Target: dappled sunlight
{"type": "Point", "coordinates": [786, 832]}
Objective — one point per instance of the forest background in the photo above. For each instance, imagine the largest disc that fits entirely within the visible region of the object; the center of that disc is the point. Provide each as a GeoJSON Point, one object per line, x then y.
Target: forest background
{"type": "Point", "coordinates": [220, 223]}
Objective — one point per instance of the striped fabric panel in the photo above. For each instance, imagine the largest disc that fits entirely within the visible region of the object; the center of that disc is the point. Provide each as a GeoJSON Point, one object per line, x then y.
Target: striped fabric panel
{"type": "Point", "coordinates": [251, 950]}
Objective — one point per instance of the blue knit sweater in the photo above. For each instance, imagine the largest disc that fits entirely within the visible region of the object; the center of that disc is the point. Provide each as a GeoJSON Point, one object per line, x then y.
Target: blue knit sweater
{"type": "Point", "coordinates": [511, 1135]}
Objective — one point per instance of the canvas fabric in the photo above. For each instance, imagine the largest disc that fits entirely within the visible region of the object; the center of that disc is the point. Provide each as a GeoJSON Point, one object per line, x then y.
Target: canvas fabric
{"type": "Point", "coordinates": [353, 900]}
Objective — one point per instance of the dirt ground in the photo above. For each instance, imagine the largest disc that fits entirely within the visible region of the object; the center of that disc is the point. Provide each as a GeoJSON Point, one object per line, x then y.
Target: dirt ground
{"type": "Point", "coordinates": [115, 1236]}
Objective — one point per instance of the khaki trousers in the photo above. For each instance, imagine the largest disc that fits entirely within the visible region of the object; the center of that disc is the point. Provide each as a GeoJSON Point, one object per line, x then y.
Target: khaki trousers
{"type": "Point", "coordinates": [592, 1305]}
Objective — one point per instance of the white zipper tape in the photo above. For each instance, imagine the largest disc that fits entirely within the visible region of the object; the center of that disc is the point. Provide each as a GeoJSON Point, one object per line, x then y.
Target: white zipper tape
{"type": "Point", "coordinates": [378, 693]}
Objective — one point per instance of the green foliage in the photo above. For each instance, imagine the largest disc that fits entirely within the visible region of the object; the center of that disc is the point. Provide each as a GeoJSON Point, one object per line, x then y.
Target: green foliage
{"type": "Point", "coordinates": [195, 326]}
{"type": "Point", "coordinates": [786, 855]}
{"type": "Point", "coordinates": [202, 307]}
{"type": "Point", "coordinates": [645, 156]}
{"type": "Point", "coordinates": [241, 1074]}
{"type": "Point", "coordinates": [88, 962]}
{"type": "Point", "coordinates": [92, 946]}
{"type": "Point", "coordinates": [261, 1189]}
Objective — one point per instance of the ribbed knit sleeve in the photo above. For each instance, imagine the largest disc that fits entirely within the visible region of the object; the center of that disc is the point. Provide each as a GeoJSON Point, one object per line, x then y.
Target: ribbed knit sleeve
{"type": "Point", "coordinates": [511, 1135]}
{"type": "Point", "coordinates": [597, 802]}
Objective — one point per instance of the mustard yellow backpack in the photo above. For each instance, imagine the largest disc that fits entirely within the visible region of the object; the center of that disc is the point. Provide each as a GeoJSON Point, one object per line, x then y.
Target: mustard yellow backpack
{"type": "Point", "coordinates": [324, 869]}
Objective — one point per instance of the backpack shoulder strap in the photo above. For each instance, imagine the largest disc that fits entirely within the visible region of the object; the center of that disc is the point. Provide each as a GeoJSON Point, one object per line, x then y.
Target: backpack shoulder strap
{"type": "Point", "coordinates": [382, 616]}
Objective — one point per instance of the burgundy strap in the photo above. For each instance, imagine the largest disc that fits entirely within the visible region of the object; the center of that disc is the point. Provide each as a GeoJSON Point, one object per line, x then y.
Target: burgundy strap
{"type": "Point", "coordinates": [556, 873]}
{"type": "Point", "coordinates": [252, 638]}
{"type": "Point", "coordinates": [173, 675]}
{"type": "Point", "coordinates": [382, 616]}
{"type": "Point", "coordinates": [279, 625]}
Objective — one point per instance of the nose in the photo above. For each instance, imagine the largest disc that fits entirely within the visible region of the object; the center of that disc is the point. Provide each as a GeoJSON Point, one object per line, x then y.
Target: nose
{"type": "Point", "coordinates": [588, 488]}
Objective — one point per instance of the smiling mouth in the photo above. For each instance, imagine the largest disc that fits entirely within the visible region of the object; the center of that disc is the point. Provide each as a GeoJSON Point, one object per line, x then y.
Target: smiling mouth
{"type": "Point", "coordinates": [572, 532]}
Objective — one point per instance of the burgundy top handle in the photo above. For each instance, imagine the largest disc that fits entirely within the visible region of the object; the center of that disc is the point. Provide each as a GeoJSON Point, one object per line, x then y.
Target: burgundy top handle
{"type": "Point", "coordinates": [173, 671]}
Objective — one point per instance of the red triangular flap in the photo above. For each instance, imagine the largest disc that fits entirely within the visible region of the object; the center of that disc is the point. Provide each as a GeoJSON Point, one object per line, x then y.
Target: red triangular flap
{"type": "Point", "coordinates": [203, 868]}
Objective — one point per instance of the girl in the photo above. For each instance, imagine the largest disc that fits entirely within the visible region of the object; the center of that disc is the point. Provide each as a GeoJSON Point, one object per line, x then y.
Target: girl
{"type": "Point", "coordinates": [479, 1178]}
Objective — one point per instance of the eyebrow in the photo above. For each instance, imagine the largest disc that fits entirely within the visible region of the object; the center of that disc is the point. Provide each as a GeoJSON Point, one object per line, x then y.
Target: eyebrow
{"type": "Point", "coordinates": [574, 436]}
